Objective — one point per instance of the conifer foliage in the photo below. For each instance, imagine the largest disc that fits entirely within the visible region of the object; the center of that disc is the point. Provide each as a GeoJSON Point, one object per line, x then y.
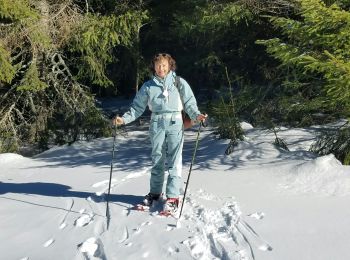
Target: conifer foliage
{"type": "Point", "coordinates": [315, 55]}
{"type": "Point", "coordinates": [335, 141]}
{"type": "Point", "coordinates": [49, 51]}
{"type": "Point", "coordinates": [289, 59]}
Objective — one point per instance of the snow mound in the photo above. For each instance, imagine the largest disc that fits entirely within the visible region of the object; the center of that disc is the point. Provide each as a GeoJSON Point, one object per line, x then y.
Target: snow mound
{"type": "Point", "coordinates": [10, 157]}
{"type": "Point", "coordinates": [324, 175]}
{"type": "Point", "coordinates": [246, 126]}
{"type": "Point", "coordinates": [90, 246]}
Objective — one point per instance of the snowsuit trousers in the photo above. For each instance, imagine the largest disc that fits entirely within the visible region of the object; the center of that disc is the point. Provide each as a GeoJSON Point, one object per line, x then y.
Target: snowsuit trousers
{"type": "Point", "coordinates": [166, 134]}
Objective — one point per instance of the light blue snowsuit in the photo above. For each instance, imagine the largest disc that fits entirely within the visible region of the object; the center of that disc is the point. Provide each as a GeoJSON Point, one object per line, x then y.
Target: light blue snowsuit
{"type": "Point", "coordinates": [166, 127]}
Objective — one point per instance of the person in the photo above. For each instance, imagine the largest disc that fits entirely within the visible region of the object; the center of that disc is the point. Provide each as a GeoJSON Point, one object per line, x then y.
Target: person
{"type": "Point", "coordinates": [166, 101]}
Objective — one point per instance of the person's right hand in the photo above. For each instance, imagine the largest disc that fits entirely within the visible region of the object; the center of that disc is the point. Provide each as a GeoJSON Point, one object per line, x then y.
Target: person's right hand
{"type": "Point", "coordinates": [118, 121]}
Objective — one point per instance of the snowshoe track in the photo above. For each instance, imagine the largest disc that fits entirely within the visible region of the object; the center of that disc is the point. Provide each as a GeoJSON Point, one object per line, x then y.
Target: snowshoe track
{"type": "Point", "coordinates": [220, 233]}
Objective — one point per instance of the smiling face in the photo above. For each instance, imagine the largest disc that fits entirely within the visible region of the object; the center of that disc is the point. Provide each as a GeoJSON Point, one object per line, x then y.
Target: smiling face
{"type": "Point", "coordinates": [162, 67]}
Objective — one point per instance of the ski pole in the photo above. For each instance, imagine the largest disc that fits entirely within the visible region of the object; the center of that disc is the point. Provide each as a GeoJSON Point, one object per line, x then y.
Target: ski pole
{"type": "Point", "coordinates": [189, 173]}
{"type": "Point", "coordinates": [110, 175]}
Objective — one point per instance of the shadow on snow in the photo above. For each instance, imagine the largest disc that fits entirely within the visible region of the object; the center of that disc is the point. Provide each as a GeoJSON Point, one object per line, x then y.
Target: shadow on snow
{"type": "Point", "coordinates": [60, 190]}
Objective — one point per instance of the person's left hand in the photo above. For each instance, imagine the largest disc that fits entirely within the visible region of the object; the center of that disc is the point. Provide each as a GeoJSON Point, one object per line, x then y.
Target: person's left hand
{"type": "Point", "coordinates": [117, 121]}
{"type": "Point", "coordinates": [202, 117]}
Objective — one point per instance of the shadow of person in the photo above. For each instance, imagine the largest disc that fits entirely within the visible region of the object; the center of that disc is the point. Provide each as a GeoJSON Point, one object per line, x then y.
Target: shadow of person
{"type": "Point", "coordinates": [60, 190]}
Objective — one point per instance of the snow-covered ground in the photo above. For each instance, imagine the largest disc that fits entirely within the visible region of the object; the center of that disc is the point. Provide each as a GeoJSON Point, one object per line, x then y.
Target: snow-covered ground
{"type": "Point", "coordinates": [260, 202]}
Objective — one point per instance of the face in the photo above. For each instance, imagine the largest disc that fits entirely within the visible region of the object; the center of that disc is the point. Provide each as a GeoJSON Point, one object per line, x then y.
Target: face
{"type": "Point", "coordinates": [162, 68]}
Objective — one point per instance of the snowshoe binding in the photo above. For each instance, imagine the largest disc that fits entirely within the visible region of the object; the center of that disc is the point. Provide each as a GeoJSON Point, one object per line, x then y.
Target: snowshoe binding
{"type": "Point", "coordinates": [170, 207]}
{"type": "Point", "coordinates": [147, 201]}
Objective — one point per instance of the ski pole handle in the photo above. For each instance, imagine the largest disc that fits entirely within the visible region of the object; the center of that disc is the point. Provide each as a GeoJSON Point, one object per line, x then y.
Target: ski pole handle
{"type": "Point", "coordinates": [205, 123]}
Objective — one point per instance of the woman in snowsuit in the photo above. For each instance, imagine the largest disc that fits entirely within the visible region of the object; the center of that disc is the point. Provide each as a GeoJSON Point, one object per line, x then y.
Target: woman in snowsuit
{"type": "Point", "coordinates": [166, 102]}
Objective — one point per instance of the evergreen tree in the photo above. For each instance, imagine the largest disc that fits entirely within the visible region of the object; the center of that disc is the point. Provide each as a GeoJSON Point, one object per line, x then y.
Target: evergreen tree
{"type": "Point", "coordinates": [49, 51]}
{"type": "Point", "coordinates": [315, 56]}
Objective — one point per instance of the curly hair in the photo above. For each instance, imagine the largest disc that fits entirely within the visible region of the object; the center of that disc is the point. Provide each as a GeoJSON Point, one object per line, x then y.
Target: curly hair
{"type": "Point", "coordinates": [160, 56]}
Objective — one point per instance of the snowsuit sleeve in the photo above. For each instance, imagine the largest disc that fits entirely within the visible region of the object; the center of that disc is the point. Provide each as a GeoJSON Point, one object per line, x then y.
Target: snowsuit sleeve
{"type": "Point", "coordinates": [188, 99]}
{"type": "Point", "coordinates": [138, 105]}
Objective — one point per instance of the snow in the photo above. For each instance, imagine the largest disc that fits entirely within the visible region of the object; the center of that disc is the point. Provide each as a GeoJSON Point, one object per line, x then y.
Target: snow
{"type": "Point", "coordinates": [260, 202]}
{"type": "Point", "coordinates": [7, 158]}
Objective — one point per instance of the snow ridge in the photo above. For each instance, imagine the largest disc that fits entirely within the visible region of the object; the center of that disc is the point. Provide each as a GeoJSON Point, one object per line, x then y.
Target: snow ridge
{"type": "Point", "coordinates": [324, 175]}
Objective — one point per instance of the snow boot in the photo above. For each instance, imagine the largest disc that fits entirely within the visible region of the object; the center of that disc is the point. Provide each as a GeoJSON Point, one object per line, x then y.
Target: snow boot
{"type": "Point", "coordinates": [149, 198]}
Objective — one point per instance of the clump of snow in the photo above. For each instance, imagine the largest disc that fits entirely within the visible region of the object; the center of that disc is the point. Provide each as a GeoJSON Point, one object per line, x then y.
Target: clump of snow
{"type": "Point", "coordinates": [246, 126]}
{"type": "Point", "coordinates": [257, 215]}
{"type": "Point", "coordinates": [49, 242]}
{"type": "Point", "coordinates": [323, 175]}
{"type": "Point", "coordinates": [10, 157]}
{"type": "Point", "coordinates": [84, 220]}
{"type": "Point", "coordinates": [89, 247]}
{"type": "Point", "coordinates": [63, 225]}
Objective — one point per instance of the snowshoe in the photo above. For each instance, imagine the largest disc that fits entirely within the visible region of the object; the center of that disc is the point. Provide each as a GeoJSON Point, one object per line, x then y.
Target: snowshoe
{"type": "Point", "coordinates": [170, 207]}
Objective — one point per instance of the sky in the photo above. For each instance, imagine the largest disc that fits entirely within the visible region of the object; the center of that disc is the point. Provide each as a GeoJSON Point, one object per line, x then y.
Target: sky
{"type": "Point", "coordinates": [259, 202]}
